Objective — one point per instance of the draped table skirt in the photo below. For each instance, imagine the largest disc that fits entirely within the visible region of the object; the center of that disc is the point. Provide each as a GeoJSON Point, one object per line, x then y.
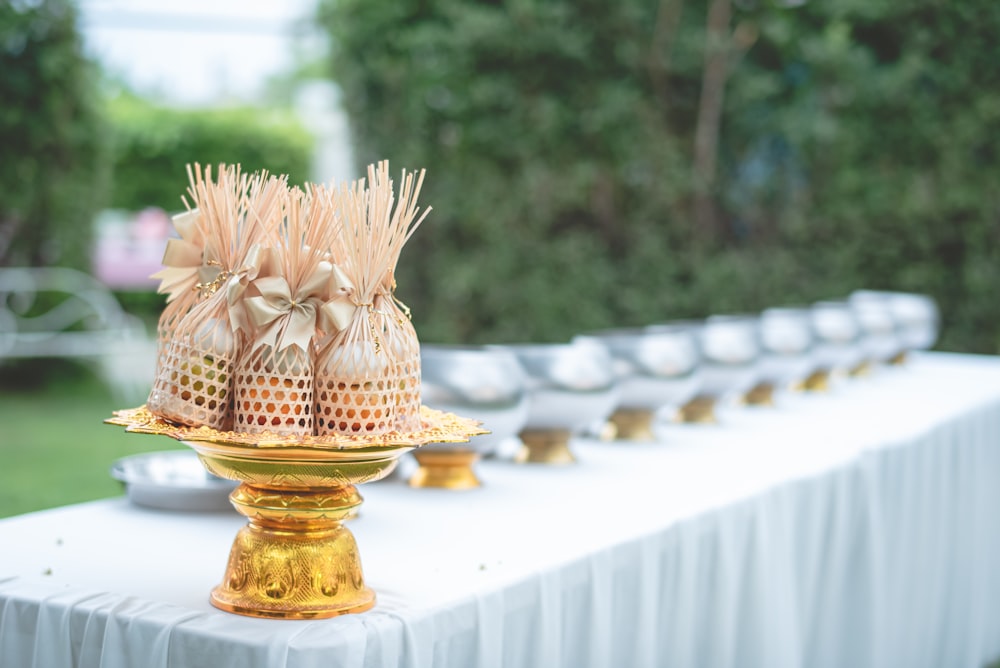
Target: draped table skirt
{"type": "Point", "coordinates": [859, 527]}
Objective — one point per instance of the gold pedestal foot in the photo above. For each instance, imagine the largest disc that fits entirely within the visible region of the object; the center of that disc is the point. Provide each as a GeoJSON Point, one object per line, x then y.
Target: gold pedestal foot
{"type": "Point", "coordinates": [760, 395]}
{"type": "Point", "coordinates": [863, 369]}
{"type": "Point", "coordinates": [545, 446]}
{"type": "Point", "coordinates": [295, 560]}
{"type": "Point", "coordinates": [898, 359]}
{"type": "Point", "coordinates": [817, 381]}
{"type": "Point", "coordinates": [700, 410]}
{"type": "Point", "coordinates": [449, 468]}
{"type": "Point", "coordinates": [633, 424]}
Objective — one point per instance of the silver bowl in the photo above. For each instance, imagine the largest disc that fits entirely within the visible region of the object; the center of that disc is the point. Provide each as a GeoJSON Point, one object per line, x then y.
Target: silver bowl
{"type": "Point", "coordinates": [656, 367]}
{"type": "Point", "coordinates": [838, 347]}
{"type": "Point", "coordinates": [787, 345]}
{"type": "Point", "coordinates": [917, 318]}
{"type": "Point", "coordinates": [481, 382]}
{"type": "Point", "coordinates": [570, 386]}
{"type": "Point", "coordinates": [730, 351]}
{"type": "Point", "coordinates": [879, 337]}
{"type": "Point", "coordinates": [172, 480]}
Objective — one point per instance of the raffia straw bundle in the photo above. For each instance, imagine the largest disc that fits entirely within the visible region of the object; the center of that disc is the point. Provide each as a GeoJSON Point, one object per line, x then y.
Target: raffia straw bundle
{"type": "Point", "coordinates": [193, 382]}
{"type": "Point", "coordinates": [368, 371]}
{"type": "Point", "coordinates": [284, 305]}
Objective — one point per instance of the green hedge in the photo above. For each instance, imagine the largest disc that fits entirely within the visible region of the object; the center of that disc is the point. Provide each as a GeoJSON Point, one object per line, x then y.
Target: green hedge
{"type": "Point", "coordinates": [856, 147]}
{"type": "Point", "coordinates": [153, 144]}
{"type": "Point", "coordinates": [54, 167]}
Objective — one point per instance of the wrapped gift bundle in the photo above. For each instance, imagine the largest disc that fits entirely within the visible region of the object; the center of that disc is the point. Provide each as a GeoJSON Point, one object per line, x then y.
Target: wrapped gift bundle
{"type": "Point", "coordinates": [281, 314]}
{"type": "Point", "coordinates": [194, 377]}
{"type": "Point", "coordinates": [368, 370]}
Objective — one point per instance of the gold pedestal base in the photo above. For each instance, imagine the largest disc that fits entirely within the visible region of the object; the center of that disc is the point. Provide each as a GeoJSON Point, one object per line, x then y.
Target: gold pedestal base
{"type": "Point", "coordinates": [700, 410]}
{"type": "Point", "coordinates": [817, 381]}
{"type": "Point", "coordinates": [898, 359]}
{"type": "Point", "coordinates": [633, 424]}
{"type": "Point", "coordinates": [863, 369]}
{"type": "Point", "coordinates": [545, 446]}
{"type": "Point", "coordinates": [295, 560]}
{"type": "Point", "coordinates": [760, 395]}
{"type": "Point", "coordinates": [446, 469]}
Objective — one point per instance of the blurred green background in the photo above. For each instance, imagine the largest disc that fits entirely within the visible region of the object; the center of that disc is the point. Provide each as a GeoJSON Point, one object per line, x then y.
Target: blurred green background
{"type": "Point", "coordinates": [590, 164]}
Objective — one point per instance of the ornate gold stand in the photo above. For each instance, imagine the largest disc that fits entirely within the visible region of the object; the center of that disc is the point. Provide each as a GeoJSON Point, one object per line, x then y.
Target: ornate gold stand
{"type": "Point", "coordinates": [446, 468]}
{"type": "Point", "coordinates": [633, 424]}
{"type": "Point", "coordinates": [545, 446]}
{"type": "Point", "coordinates": [861, 370]}
{"type": "Point", "coordinates": [760, 395]}
{"type": "Point", "coordinates": [296, 559]}
{"type": "Point", "coordinates": [700, 410]}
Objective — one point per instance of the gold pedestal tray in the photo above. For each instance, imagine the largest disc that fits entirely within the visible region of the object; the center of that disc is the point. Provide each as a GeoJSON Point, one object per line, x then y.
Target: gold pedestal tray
{"type": "Point", "coordinates": [633, 424]}
{"type": "Point", "coordinates": [295, 559]}
{"type": "Point", "coordinates": [446, 468]}
{"type": "Point", "coordinates": [545, 446]}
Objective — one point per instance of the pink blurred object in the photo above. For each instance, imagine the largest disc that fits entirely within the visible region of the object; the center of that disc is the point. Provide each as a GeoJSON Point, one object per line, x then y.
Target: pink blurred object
{"type": "Point", "coordinates": [128, 251]}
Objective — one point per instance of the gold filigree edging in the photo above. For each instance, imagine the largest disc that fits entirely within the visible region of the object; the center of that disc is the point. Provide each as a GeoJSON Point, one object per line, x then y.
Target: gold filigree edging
{"type": "Point", "coordinates": [436, 427]}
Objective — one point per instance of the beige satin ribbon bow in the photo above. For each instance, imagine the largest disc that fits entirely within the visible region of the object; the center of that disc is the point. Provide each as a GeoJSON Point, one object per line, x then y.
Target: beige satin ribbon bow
{"type": "Point", "coordinates": [259, 261]}
{"type": "Point", "coordinates": [337, 313]}
{"type": "Point", "coordinates": [185, 266]}
{"type": "Point", "coordinates": [284, 319]}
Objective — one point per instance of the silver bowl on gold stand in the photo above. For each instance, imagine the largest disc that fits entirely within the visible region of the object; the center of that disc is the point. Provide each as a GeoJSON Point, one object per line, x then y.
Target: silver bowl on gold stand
{"type": "Point", "coordinates": [485, 381]}
{"type": "Point", "coordinates": [916, 317]}
{"type": "Point", "coordinates": [880, 339]}
{"type": "Point", "coordinates": [656, 368]}
{"type": "Point", "coordinates": [729, 366]}
{"type": "Point", "coordinates": [838, 343]}
{"type": "Point", "coordinates": [570, 385]}
{"type": "Point", "coordinates": [788, 359]}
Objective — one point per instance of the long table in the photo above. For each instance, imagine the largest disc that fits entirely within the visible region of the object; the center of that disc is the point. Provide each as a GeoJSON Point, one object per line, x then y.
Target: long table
{"type": "Point", "coordinates": [859, 527]}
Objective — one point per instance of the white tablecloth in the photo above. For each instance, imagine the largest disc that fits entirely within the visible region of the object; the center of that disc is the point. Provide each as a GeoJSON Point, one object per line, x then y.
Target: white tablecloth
{"type": "Point", "coordinates": [855, 528]}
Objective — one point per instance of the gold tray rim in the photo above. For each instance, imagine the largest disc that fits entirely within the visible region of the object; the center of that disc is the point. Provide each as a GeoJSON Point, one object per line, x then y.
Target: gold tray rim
{"type": "Point", "coordinates": [437, 427]}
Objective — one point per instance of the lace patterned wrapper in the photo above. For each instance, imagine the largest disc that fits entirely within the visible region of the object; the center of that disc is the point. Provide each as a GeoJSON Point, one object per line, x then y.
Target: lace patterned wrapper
{"type": "Point", "coordinates": [194, 384]}
{"type": "Point", "coordinates": [274, 391]}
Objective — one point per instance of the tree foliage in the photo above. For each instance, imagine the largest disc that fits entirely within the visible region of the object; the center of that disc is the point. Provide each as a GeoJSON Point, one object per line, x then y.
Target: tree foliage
{"type": "Point", "coordinates": [153, 144]}
{"type": "Point", "coordinates": [54, 167]}
{"type": "Point", "coordinates": [595, 164]}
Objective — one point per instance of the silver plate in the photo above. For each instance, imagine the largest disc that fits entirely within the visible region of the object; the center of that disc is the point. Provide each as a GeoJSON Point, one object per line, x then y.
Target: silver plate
{"type": "Point", "coordinates": [172, 480]}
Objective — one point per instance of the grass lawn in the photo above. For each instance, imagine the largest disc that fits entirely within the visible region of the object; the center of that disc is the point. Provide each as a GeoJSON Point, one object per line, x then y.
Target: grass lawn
{"type": "Point", "coordinates": [54, 447]}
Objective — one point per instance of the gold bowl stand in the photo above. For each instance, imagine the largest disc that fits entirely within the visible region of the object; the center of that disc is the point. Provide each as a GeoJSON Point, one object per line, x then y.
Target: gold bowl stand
{"type": "Point", "coordinates": [295, 559]}
{"type": "Point", "coordinates": [545, 446]}
{"type": "Point", "coordinates": [446, 468]}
